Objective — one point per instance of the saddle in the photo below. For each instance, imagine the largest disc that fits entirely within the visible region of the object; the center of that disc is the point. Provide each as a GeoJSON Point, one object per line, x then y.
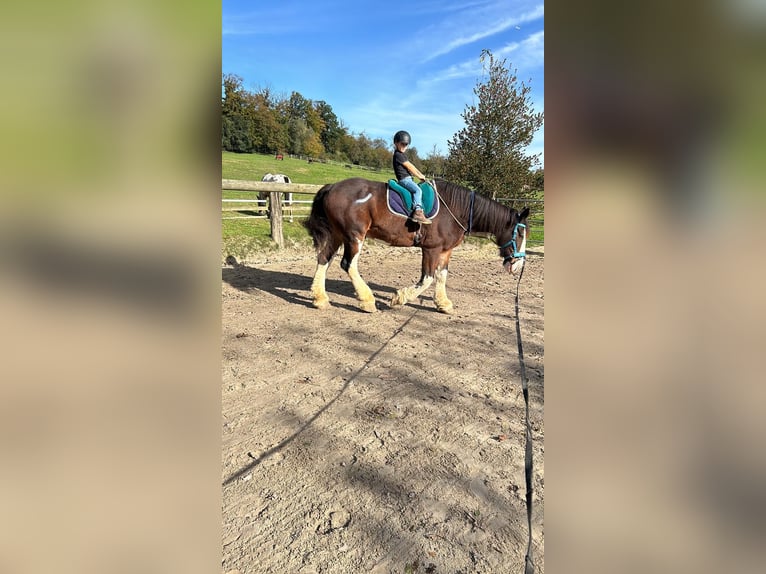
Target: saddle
{"type": "Point", "coordinates": [399, 199]}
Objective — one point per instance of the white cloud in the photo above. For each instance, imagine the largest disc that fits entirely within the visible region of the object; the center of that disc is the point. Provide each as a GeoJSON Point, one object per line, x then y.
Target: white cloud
{"type": "Point", "coordinates": [527, 54]}
{"type": "Point", "coordinates": [483, 24]}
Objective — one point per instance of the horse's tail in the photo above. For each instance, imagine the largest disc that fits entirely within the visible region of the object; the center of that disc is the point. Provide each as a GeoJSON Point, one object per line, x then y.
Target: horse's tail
{"type": "Point", "coordinates": [318, 223]}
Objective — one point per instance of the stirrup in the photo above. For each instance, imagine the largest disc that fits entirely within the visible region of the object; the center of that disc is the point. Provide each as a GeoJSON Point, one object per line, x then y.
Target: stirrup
{"type": "Point", "coordinates": [419, 217]}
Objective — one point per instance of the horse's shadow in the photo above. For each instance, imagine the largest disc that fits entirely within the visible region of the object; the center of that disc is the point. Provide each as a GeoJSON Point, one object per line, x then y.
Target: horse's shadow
{"type": "Point", "coordinates": [295, 288]}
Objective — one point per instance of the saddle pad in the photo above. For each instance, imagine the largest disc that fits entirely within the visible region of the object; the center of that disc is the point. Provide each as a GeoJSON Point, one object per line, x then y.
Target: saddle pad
{"type": "Point", "coordinates": [400, 202]}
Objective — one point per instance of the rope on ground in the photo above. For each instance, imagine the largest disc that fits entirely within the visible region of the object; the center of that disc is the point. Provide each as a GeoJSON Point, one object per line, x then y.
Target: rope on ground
{"type": "Point", "coordinates": [529, 567]}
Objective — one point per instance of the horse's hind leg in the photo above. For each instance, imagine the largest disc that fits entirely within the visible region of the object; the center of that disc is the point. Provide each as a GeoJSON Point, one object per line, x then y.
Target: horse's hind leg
{"type": "Point", "coordinates": [434, 266]}
{"type": "Point", "coordinates": [407, 294]}
{"type": "Point", "coordinates": [324, 259]}
{"type": "Point", "coordinates": [350, 263]}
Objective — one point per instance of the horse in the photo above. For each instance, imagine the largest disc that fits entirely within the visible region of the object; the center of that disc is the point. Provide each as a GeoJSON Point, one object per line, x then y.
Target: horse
{"type": "Point", "coordinates": [287, 201]}
{"type": "Point", "coordinates": [349, 211]}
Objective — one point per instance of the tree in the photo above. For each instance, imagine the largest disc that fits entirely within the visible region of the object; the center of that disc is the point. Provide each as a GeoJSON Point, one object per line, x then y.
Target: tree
{"type": "Point", "coordinates": [236, 125]}
{"type": "Point", "coordinates": [232, 100]}
{"type": "Point", "coordinates": [312, 147]}
{"type": "Point", "coordinates": [268, 134]}
{"type": "Point", "coordinates": [488, 153]}
{"type": "Point", "coordinates": [333, 131]}
{"type": "Point", "coordinates": [299, 134]}
{"type": "Point", "coordinates": [235, 135]}
{"type": "Point", "coordinates": [433, 164]}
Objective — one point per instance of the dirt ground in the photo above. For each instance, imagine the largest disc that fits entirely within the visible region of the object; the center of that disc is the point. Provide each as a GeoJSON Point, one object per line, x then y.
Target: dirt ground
{"type": "Point", "coordinates": [384, 442]}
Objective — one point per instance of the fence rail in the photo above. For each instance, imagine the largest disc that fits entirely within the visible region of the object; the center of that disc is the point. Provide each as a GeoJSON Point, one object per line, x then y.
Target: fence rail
{"type": "Point", "coordinates": [245, 185]}
{"type": "Point", "coordinates": [277, 204]}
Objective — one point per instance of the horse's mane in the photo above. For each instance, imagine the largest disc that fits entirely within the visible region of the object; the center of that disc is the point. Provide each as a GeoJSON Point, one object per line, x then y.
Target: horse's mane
{"type": "Point", "coordinates": [488, 215]}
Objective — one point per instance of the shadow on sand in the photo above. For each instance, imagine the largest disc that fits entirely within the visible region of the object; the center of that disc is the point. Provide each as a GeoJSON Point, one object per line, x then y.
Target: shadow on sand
{"type": "Point", "coordinates": [296, 289]}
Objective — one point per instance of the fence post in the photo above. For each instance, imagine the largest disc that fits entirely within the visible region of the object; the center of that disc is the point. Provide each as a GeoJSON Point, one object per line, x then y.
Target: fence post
{"type": "Point", "coordinates": [275, 218]}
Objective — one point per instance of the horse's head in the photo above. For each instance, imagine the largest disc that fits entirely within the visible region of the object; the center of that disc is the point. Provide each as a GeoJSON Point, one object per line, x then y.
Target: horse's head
{"type": "Point", "coordinates": [513, 241]}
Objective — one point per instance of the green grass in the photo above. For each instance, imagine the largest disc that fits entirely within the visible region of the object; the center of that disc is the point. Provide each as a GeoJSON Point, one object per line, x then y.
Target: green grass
{"type": "Point", "coordinates": [255, 166]}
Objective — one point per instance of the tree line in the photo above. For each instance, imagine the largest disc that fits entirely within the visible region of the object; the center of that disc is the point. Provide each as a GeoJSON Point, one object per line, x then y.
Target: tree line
{"type": "Point", "coordinates": [265, 122]}
{"type": "Point", "coordinates": [487, 155]}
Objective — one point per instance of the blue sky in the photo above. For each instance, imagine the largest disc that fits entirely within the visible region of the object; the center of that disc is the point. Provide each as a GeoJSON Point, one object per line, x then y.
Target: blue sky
{"type": "Point", "coordinates": [385, 66]}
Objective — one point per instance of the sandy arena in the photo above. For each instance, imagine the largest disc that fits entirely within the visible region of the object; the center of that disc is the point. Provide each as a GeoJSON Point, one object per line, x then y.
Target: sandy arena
{"type": "Point", "coordinates": [385, 442]}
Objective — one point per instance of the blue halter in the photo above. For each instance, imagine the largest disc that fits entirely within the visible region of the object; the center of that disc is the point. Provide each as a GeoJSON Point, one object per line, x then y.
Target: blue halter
{"type": "Point", "coordinates": [512, 242]}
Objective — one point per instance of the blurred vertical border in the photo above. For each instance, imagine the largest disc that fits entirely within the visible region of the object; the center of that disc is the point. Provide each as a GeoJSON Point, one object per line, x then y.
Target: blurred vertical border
{"type": "Point", "coordinates": [655, 154]}
{"type": "Point", "coordinates": [109, 286]}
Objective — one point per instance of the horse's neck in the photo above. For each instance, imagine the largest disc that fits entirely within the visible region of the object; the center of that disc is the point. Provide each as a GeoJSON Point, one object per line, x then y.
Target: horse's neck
{"type": "Point", "coordinates": [489, 216]}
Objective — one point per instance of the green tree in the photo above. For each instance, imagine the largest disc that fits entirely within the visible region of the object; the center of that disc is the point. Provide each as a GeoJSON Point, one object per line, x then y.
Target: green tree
{"type": "Point", "coordinates": [236, 123]}
{"type": "Point", "coordinates": [302, 139]}
{"type": "Point", "coordinates": [268, 134]}
{"type": "Point", "coordinates": [232, 99]}
{"type": "Point", "coordinates": [235, 135]}
{"type": "Point", "coordinates": [312, 147]}
{"type": "Point", "coordinates": [433, 164]}
{"type": "Point", "coordinates": [360, 150]}
{"type": "Point", "coordinates": [488, 154]}
{"type": "Point", "coordinates": [346, 147]}
{"type": "Point", "coordinates": [332, 131]}
{"type": "Point", "coordinates": [413, 156]}
{"type": "Point", "coordinates": [298, 106]}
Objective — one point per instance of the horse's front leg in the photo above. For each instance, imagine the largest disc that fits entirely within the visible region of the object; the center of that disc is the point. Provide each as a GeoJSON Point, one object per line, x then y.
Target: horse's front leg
{"type": "Point", "coordinates": [443, 304]}
{"type": "Point", "coordinates": [350, 263]}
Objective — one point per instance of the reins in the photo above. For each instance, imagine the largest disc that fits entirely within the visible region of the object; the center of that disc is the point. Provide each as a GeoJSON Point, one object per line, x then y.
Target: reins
{"type": "Point", "coordinates": [529, 567]}
{"type": "Point", "coordinates": [445, 204]}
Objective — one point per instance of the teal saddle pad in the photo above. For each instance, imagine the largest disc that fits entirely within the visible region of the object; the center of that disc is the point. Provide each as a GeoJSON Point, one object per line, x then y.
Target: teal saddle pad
{"type": "Point", "coordinates": [402, 199]}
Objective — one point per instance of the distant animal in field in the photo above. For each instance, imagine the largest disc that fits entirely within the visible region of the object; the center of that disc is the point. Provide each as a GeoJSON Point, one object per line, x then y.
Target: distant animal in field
{"type": "Point", "coordinates": [287, 197]}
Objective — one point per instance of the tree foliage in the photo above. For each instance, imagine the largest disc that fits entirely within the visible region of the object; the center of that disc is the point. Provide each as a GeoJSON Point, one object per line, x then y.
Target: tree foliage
{"type": "Point", "coordinates": [267, 123]}
{"type": "Point", "coordinates": [235, 127]}
{"type": "Point", "coordinates": [488, 154]}
{"type": "Point", "coordinates": [434, 163]}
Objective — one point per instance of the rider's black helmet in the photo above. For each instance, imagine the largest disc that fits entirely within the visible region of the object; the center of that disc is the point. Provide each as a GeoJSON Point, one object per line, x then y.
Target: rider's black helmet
{"type": "Point", "coordinates": [402, 136]}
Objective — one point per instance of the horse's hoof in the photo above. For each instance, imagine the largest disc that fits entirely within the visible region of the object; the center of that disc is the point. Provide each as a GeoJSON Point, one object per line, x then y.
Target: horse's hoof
{"type": "Point", "coordinates": [322, 303]}
{"type": "Point", "coordinates": [446, 309]}
{"type": "Point", "coordinates": [398, 299]}
{"type": "Point", "coordinates": [368, 306]}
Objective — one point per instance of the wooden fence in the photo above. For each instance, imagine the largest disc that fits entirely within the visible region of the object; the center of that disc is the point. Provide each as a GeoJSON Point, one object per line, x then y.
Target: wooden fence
{"type": "Point", "coordinates": [275, 202]}
{"type": "Point", "coordinates": [277, 206]}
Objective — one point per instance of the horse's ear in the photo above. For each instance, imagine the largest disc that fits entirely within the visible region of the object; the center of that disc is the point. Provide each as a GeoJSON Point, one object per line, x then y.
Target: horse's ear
{"type": "Point", "coordinates": [523, 215]}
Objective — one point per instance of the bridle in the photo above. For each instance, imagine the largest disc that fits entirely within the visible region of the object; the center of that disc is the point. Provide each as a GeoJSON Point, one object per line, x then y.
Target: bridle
{"type": "Point", "coordinates": [516, 254]}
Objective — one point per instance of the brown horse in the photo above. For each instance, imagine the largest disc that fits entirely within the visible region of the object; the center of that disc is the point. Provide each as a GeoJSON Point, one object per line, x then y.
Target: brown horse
{"type": "Point", "coordinates": [347, 212]}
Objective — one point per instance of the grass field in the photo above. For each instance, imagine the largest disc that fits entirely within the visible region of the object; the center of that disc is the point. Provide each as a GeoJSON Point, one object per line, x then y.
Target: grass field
{"type": "Point", "coordinates": [243, 237]}
{"type": "Point", "coordinates": [255, 166]}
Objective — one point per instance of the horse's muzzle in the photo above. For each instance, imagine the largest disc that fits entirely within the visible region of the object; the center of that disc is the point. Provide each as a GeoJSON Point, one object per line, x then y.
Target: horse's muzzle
{"type": "Point", "coordinates": [514, 265]}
